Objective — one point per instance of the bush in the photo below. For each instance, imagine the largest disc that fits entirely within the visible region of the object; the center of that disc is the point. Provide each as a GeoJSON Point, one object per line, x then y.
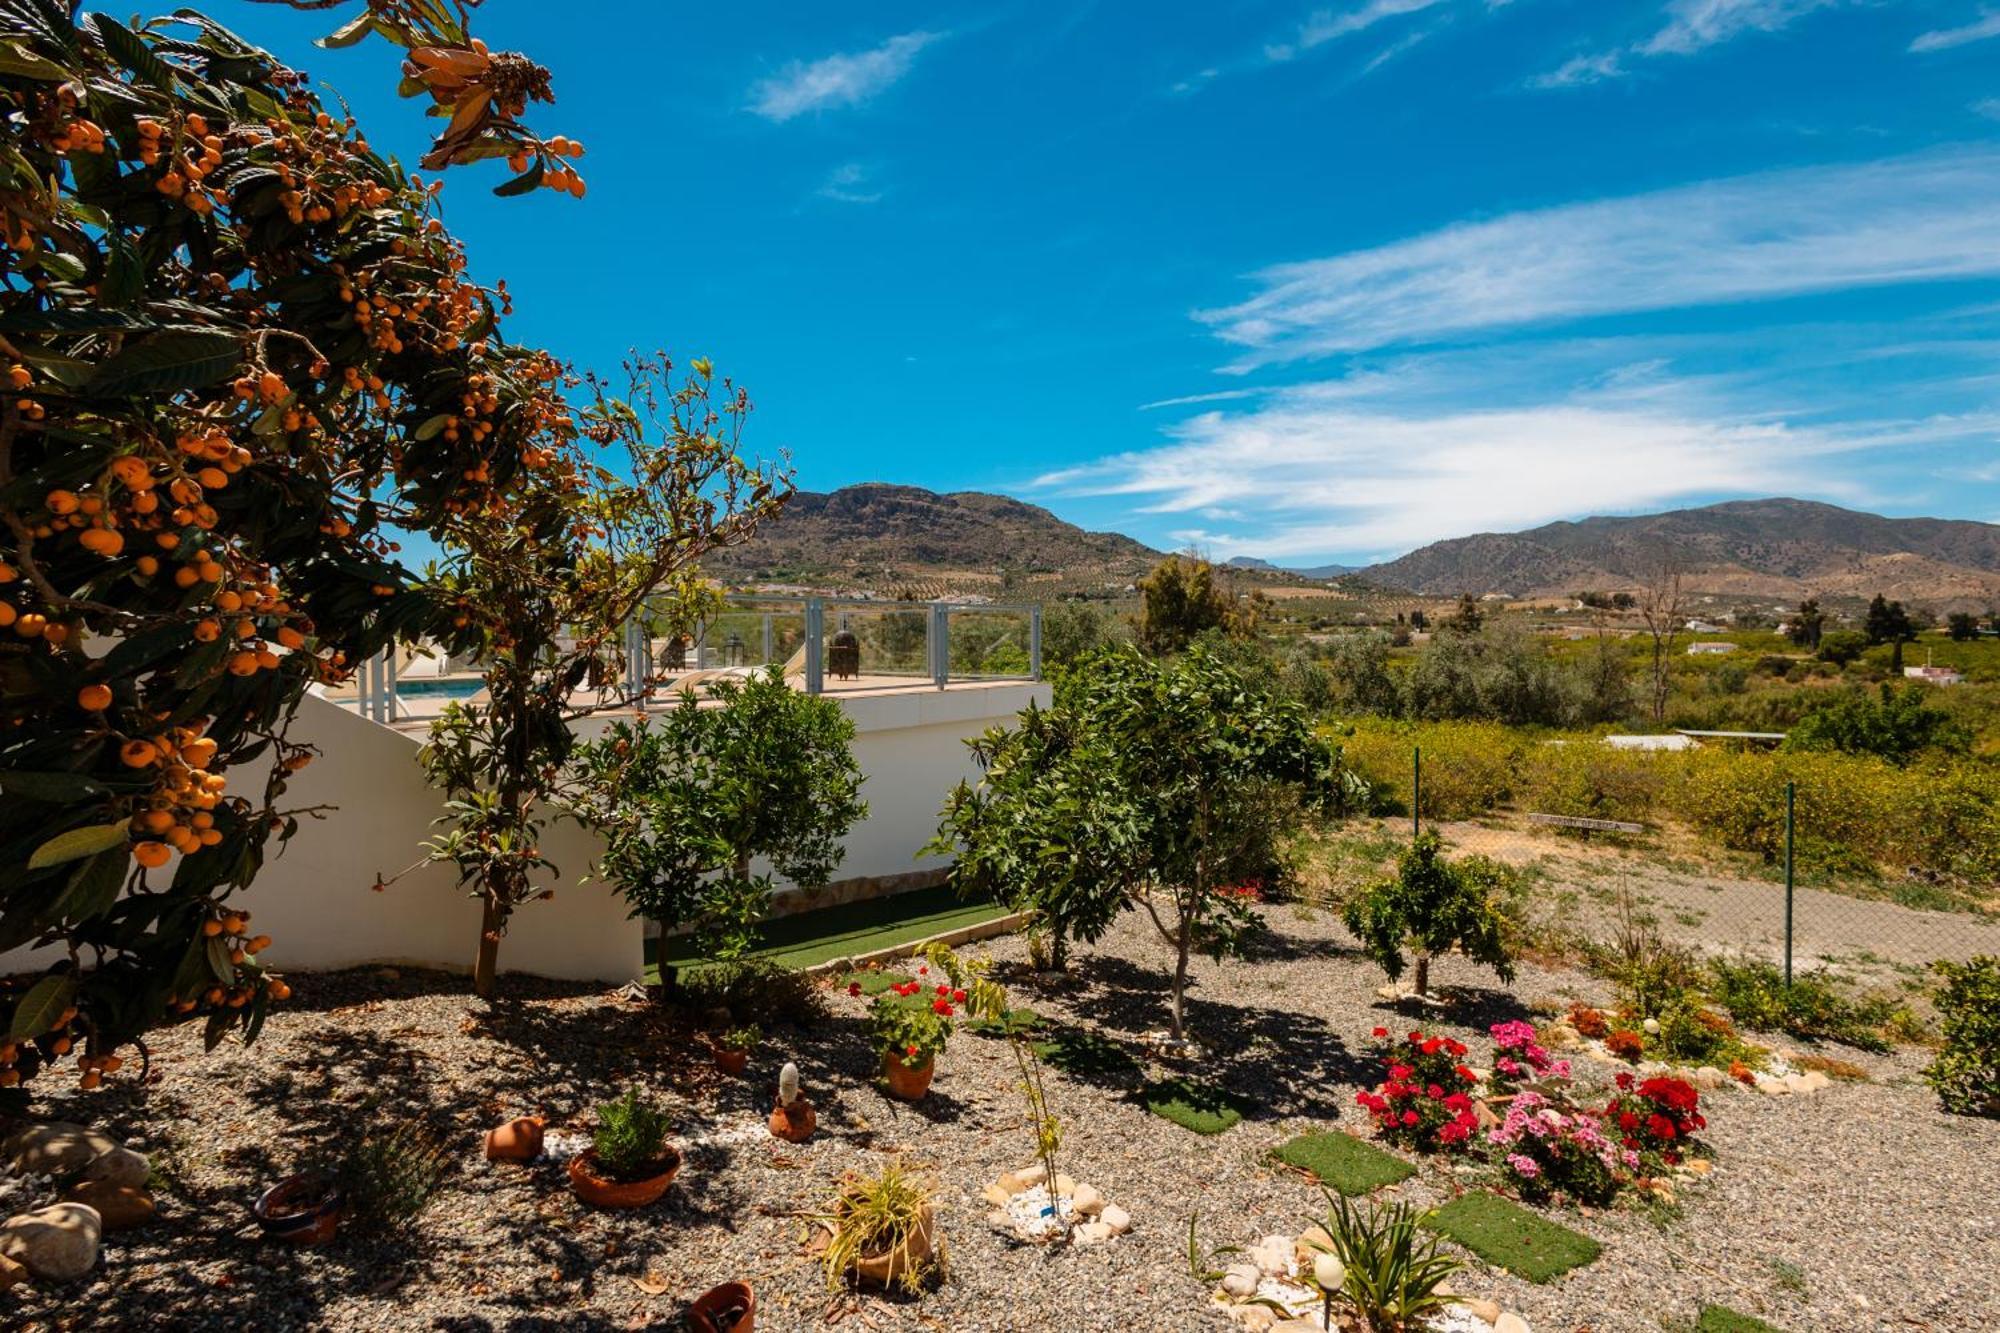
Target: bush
{"type": "Point", "coordinates": [1812, 1007]}
{"type": "Point", "coordinates": [1430, 907]}
{"type": "Point", "coordinates": [1966, 1072]}
{"type": "Point", "coordinates": [1590, 780]}
{"type": "Point", "coordinates": [1468, 767]}
{"type": "Point", "coordinates": [392, 1173]}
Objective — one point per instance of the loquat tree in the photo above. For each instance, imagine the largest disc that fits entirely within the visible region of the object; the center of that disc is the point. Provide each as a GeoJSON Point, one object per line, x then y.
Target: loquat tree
{"type": "Point", "coordinates": [242, 354]}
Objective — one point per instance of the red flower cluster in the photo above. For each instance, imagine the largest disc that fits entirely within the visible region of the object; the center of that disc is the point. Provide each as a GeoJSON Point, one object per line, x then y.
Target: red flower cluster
{"type": "Point", "coordinates": [1249, 891]}
{"type": "Point", "coordinates": [1657, 1117]}
{"type": "Point", "coordinates": [1424, 1103]}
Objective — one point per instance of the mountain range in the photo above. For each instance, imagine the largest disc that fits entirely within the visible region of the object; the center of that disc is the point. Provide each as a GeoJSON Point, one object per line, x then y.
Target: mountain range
{"type": "Point", "coordinates": [889, 538]}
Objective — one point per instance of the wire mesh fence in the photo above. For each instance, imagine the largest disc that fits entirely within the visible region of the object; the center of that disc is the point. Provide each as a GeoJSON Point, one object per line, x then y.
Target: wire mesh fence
{"type": "Point", "coordinates": [1578, 884]}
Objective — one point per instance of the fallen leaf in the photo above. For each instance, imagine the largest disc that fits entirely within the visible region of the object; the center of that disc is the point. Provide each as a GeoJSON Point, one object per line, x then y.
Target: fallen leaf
{"type": "Point", "coordinates": [652, 1284]}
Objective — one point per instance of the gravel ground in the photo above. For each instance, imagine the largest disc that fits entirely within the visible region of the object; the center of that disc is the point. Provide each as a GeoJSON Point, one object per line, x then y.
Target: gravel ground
{"type": "Point", "coordinates": [1862, 1207]}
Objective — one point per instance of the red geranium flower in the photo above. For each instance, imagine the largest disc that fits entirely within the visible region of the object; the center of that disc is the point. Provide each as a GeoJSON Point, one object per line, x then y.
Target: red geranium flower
{"type": "Point", "coordinates": [854, 988]}
{"type": "Point", "coordinates": [941, 1007]}
{"type": "Point", "coordinates": [1381, 1032]}
{"type": "Point", "coordinates": [958, 997]}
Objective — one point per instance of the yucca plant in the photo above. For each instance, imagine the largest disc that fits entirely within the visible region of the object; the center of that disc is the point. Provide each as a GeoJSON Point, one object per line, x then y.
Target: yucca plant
{"type": "Point", "coordinates": [1392, 1276]}
{"type": "Point", "coordinates": [873, 1216]}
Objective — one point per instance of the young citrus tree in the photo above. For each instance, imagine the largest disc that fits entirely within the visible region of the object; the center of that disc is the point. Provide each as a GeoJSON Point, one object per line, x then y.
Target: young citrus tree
{"type": "Point", "coordinates": [686, 801]}
{"type": "Point", "coordinates": [1146, 785]}
{"type": "Point", "coordinates": [1431, 906]}
{"type": "Point", "coordinates": [241, 352]}
{"type": "Point", "coordinates": [546, 591]}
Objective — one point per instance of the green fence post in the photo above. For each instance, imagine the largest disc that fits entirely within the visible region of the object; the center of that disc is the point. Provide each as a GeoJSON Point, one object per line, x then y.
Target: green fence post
{"type": "Point", "coordinates": [1416, 791]}
{"type": "Point", "coordinates": [1790, 793]}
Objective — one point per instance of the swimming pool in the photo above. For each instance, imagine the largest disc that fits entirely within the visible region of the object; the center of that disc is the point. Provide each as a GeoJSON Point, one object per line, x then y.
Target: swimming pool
{"type": "Point", "coordinates": [462, 687]}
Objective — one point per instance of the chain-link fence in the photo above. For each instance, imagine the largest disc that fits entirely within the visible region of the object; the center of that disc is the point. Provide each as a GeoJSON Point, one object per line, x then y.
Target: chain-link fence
{"type": "Point", "coordinates": [1582, 885]}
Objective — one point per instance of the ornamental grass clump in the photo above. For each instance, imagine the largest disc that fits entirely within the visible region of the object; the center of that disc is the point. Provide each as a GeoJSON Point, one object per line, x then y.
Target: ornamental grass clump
{"type": "Point", "coordinates": [1425, 1103]}
{"type": "Point", "coordinates": [883, 1221]}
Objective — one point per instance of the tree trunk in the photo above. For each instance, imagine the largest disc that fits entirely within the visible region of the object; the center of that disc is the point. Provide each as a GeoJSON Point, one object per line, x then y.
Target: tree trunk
{"type": "Point", "coordinates": [487, 965]}
{"type": "Point", "coordinates": [1180, 975]}
{"type": "Point", "coordinates": [1423, 974]}
{"type": "Point", "coordinates": [1896, 658]}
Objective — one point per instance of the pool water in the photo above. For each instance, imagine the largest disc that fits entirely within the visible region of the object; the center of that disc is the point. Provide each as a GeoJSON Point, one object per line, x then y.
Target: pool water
{"type": "Point", "coordinates": [462, 688]}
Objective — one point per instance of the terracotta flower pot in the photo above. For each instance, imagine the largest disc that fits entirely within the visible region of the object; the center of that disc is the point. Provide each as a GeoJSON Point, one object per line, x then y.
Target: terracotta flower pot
{"type": "Point", "coordinates": [907, 1082]}
{"type": "Point", "coordinates": [729, 1308]}
{"type": "Point", "coordinates": [600, 1191]}
{"type": "Point", "coordinates": [731, 1062]}
{"type": "Point", "coordinates": [516, 1141]}
{"type": "Point", "coordinates": [300, 1210]}
{"type": "Point", "coordinates": [912, 1256]}
{"type": "Point", "coordinates": [794, 1123]}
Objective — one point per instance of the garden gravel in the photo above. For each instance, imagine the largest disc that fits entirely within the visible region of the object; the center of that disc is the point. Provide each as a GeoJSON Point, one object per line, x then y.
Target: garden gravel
{"type": "Point", "coordinates": [1858, 1208]}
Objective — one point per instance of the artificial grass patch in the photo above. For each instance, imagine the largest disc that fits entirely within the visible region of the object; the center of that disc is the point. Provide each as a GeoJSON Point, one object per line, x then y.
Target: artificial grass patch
{"type": "Point", "coordinates": [807, 939]}
{"type": "Point", "coordinates": [1201, 1107]}
{"type": "Point", "coordinates": [873, 981]}
{"type": "Point", "coordinates": [1345, 1163]}
{"type": "Point", "coordinates": [1086, 1055]}
{"type": "Point", "coordinates": [1508, 1236]}
{"type": "Point", "coordinates": [1013, 1023]}
{"type": "Point", "coordinates": [1722, 1319]}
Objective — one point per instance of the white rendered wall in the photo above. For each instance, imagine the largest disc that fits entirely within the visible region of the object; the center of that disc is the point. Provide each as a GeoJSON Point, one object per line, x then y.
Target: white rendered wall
{"type": "Point", "coordinates": [318, 904]}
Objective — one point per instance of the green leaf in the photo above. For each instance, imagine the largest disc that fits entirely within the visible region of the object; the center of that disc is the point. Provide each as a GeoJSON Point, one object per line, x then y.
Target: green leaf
{"type": "Point", "coordinates": [521, 184]}
{"type": "Point", "coordinates": [217, 1028]}
{"type": "Point", "coordinates": [28, 65]}
{"type": "Point", "coordinates": [53, 788]}
{"type": "Point", "coordinates": [42, 1006]}
{"type": "Point", "coordinates": [93, 886]}
{"type": "Point", "coordinates": [180, 357]}
{"type": "Point", "coordinates": [124, 276]}
{"type": "Point", "coordinates": [133, 54]}
{"type": "Point", "coordinates": [78, 842]}
{"type": "Point", "coordinates": [71, 319]}
{"type": "Point", "coordinates": [218, 960]}
{"type": "Point", "coordinates": [430, 429]}
{"type": "Point", "coordinates": [348, 33]}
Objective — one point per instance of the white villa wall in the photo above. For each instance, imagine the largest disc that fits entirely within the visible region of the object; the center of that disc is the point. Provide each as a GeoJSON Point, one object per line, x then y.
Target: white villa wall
{"type": "Point", "coordinates": [318, 903]}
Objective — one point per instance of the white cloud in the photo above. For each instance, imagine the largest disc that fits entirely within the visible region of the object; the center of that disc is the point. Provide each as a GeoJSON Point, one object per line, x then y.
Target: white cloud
{"type": "Point", "coordinates": [1988, 107]}
{"type": "Point", "coordinates": [850, 183]}
{"type": "Point", "coordinates": [1693, 25]}
{"type": "Point", "coordinates": [1926, 217]}
{"type": "Point", "coordinates": [1329, 25]}
{"type": "Point", "coordinates": [1987, 25]}
{"type": "Point", "coordinates": [846, 79]}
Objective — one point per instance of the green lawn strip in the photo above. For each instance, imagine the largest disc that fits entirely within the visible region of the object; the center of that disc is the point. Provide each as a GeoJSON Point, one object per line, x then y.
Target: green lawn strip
{"type": "Point", "coordinates": [1084, 1054]}
{"type": "Point", "coordinates": [1722, 1319]}
{"type": "Point", "coordinates": [872, 981]}
{"type": "Point", "coordinates": [807, 939]}
{"type": "Point", "coordinates": [1201, 1107]}
{"type": "Point", "coordinates": [1508, 1236]}
{"type": "Point", "coordinates": [1343, 1162]}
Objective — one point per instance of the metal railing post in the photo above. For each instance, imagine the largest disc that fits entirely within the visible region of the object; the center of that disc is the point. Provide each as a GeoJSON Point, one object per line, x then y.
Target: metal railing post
{"type": "Point", "coordinates": [1035, 642]}
{"type": "Point", "coordinates": [1791, 792]}
{"type": "Point", "coordinates": [767, 638]}
{"type": "Point", "coordinates": [815, 646]}
{"type": "Point", "coordinates": [940, 644]}
{"type": "Point", "coordinates": [1416, 791]}
{"type": "Point", "coordinates": [635, 661]}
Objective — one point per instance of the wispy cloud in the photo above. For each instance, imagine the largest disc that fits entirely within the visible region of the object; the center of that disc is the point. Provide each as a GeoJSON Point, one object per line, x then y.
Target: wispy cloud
{"type": "Point", "coordinates": [1329, 25]}
{"type": "Point", "coordinates": [850, 183]}
{"type": "Point", "coordinates": [845, 79]}
{"type": "Point", "coordinates": [1927, 217]}
{"type": "Point", "coordinates": [1691, 26]}
{"type": "Point", "coordinates": [1988, 107]}
{"type": "Point", "coordinates": [1987, 25]}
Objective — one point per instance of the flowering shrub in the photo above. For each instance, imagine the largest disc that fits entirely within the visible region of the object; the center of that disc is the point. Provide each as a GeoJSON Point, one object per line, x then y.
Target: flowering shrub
{"type": "Point", "coordinates": [1625, 1044]}
{"type": "Point", "coordinates": [1426, 1102]}
{"type": "Point", "coordinates": [1549, 1150]}
{"type": "Point", "coordinates": [1657, 1119]}
{"type": "Point", "coordinates": [1518, 1058]}
{"type": "Point", "coordinates": [913, 1019]}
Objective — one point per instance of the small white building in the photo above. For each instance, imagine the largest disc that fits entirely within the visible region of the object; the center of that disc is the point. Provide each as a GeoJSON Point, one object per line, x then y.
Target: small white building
{"type": "Point", "coordinates": [1672, 741]}
{"type": "Point", "coordinates": [1710, 648]}
{"type": "Point", "coordinates": [1935, 675]}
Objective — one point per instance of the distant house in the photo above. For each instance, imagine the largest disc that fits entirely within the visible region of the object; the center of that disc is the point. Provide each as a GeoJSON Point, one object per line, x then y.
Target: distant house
{"type": "Point", "coordinates": [1702, 627]}
{"type": "Point", "coordinates": [1935, 675]}
{"type": "Point", "coordinates": [1710, 647]}
{"type": "Point", "coordinates": [1675, 741]}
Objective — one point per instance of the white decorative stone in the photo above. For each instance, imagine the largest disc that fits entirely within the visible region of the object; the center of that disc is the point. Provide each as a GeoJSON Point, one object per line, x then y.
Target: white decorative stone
{"type": "Point", "coordinates": [1086, 1200]}
{"type": "Point", "coordinates": [1273, 1255]}
{"type": "Point", "coordinates": [996, 1196]}
{"type": "Point", "coordinates": [1117, 1219]}
{"type": "Point", "coordinates": [1652, 1027]}
{"type": "Point", "coordinates": [57, 1243]}
{"type": "Point", "coordinates": [1254, 1318]}
{"type": "Point", "coordinates": [1065, 1184]}
{"type": "Point", "coordinates": [1240, 1281]}
{"type": "Point", "coordinates": [120, 1166]}
{"type": "Point", "coordinates": [56, 1148]}
{"type": "Point", "coordinates": [1093, 1233]}
{"type": "Point", "coordinates": [1813, 1080]}
{"type": "Point", "coordinates": [1708, 1078]}
{"type": "Point", "coordinates": [1511, 1323]}
{"type": "Point", "coordinates": [1485, 1310]}
{"type": "Point", "coordinates": [1032, 1175]}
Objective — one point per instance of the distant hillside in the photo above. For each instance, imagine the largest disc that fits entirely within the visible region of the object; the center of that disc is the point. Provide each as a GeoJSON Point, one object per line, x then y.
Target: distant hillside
{"type": "Point", "coordinates": [1780, 549]}
{"type": "Point", "coordinates": [1310, 572]}
{"type": "Point", "coordinates": [883, 537]}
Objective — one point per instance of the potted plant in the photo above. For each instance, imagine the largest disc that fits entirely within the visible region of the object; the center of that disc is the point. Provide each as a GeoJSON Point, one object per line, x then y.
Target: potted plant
{"type": "Point", "coordinates": [884, 1231]}
{"type": "Point", "coordinates": [729, 1308]}
{"type": "Point", "coordinates": [911, 1022]}
{"type": "Point", "coordinates": [732, 1049]}
{"type": "Point", "coordinates": [628, 1164]}
{"type": "Point", "coordinates": [793, 1118]}
{"type": "Point", "coordinates": [301, 1210]}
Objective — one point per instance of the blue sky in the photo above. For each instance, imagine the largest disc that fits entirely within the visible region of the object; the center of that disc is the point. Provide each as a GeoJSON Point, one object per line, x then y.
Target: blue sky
{"type": "Point", "coordinates": [1308, 282]}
